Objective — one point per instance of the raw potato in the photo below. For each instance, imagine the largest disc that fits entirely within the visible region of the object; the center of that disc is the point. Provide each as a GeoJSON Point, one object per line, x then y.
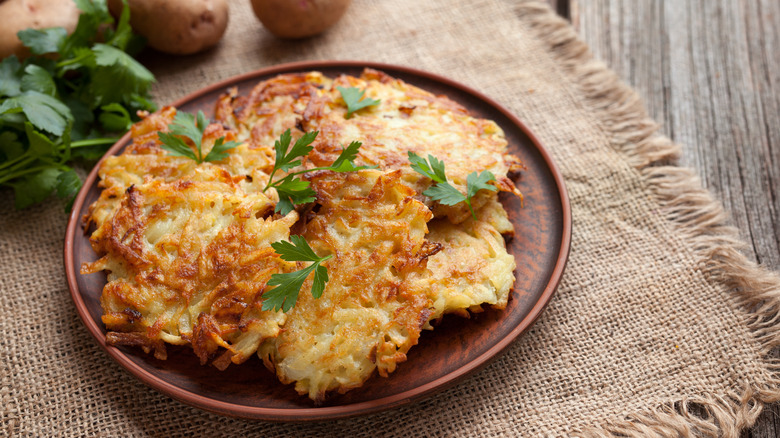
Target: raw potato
{"type": "Point", "coordinates": [299, 18]}
{"type": "Point", "coordinates": [17, 15]}
{"type": "Point", "coordinates": [179, 27]}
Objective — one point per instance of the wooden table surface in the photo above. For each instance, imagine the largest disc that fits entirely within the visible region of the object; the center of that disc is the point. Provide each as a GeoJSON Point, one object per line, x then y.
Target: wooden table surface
{"type": "Point", "coordinates": [709, 72]}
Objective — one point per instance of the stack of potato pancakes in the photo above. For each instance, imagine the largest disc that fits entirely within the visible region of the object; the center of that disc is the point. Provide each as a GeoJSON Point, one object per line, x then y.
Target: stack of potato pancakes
{"type": "Point", "coordinates": [187, 246]}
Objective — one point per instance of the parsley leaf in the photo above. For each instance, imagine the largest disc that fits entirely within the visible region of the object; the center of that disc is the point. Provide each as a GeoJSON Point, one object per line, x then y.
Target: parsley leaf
{"type": "Point", "coordinates": [476, 182]}
{"type": "Point", "coordinates": [187, 125]}
{"type": "Point", "coordinates": [42, 41]}
{"type": "Point", "coordinates": [41, 146]}
{"type": "Point", "coordinates": [36, 78]}
{"type": "Point", "coordinates": [117, 76]}
{"type": "Point", "coordinates": [293, 191]}
{"type": "Point", "coordinates": [219, 150]}
{"type": "Point", "coordinates": [442, 191]}
{"type": "Point", "coordinates": [192, 127]}
{"type": "Point", "coordinates": [346, 160]}
{"type": "Point", "coordinates": [94, 14]}
{"type": "Point", "coordinates": [353, 98]}
{"type": "Point", "coordinates": [297, 250]}
{"type": "Point", "coordinates": [114, 117]}
{"type": "Point", "coordinates": [98, 9]}
{"type": "Point", "coordinates": [176, 146]}
{"type": "Point", "coordinates": [34, 188]}
{"type": "Point", "coordinates": [10, 146]}
{"type": "Point", "coordinates": [123, 33]}
{"type": "Point", "coordinates": [44, 112]}
{"type": "Point", "coordinates": [435, 171]}
{"type": "Point", "coordinates": [285, 294]}
{"type": "Point", "coordinates": [445, 194]}
{"type": "Point", "coordinates": [347, 155]}
{"type": "Point", "coordinates": [68, 185]}
{"type": "Point", "coordinates": [10, 83]}
{"type": "Point", "coordinates": [285, 160]}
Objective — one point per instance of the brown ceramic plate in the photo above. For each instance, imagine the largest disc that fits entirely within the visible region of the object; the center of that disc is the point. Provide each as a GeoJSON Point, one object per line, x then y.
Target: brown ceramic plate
{"type": "Point", "coordinates": [455, 349]}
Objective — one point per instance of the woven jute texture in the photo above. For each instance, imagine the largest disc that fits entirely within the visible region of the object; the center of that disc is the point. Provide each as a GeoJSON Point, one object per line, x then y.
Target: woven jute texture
{"type": "Point", "coordinates": [660, 326]}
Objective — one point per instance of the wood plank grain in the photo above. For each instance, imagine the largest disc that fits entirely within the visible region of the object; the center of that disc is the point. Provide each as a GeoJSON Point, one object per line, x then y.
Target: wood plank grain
{"type": "Point", "coordinates": [709, 71]}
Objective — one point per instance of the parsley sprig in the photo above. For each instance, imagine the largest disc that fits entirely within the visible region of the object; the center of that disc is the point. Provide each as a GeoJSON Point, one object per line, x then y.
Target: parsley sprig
{"type": "Point", "coordinates": [291, 189]}
{"type": "Point", "coordinates": [54, 110]}
{"type": "Point", "coordinates": [353, 97]}
{"type": "Point", "coordinates": [285, 294]}
{"type": "Point", "coordinates": [442, 190]}
{"type": "Point", "coordinates": [192, 127]}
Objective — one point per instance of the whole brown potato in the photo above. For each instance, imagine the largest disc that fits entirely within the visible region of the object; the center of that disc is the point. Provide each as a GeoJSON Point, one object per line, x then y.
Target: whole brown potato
{"type": "Point", "coordinates": [17, 15]}
{"type": "Point", "coordinates": [299, 18]}
{"type": "Point", "coordinates": [179, 27]}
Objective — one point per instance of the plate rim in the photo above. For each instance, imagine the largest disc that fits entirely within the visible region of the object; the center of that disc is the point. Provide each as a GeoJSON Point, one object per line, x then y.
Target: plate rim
{"type": "Point", "coordinates": [337, 411]}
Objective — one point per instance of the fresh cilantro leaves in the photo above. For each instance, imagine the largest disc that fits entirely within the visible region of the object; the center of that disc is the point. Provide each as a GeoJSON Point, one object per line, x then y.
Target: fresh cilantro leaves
{"type": "Point", "coordinates": [54, 109]}
{"type": "Point", "coordinates": [442, 191]}
{"type": "Point", "coordinates": [292, 190]}
{"type": "Point", "coordinates": [284, 296]}
{"type": "Point", "coordinates": [353, 97]}
{"type": "Point", "coordinates": [192, 127]}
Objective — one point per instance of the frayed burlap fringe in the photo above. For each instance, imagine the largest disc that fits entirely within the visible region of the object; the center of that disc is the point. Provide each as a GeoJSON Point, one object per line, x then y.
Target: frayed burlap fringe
{"type": "Point", "coordinates": [699, 216]}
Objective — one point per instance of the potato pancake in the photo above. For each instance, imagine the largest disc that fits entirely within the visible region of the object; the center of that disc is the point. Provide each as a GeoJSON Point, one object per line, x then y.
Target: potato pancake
{"type": "Point", "coordinates": [187, 263]}
{"type": "Point", "coordinates": [370, 315]}
{"type": "Point", "coordinates": [187, 245]}
{"type": "Point", "coordinates": [473, 267]}
{"type": "Point", "coordinates": [407, 119]}
{"type": "Point", "coordinates": [144, 160]}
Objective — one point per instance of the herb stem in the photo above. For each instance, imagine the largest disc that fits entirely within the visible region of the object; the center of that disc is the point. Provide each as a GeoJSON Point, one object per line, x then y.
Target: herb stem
{"type": "Point", "coordinates": [270, 178]}
{"type": "Point", "coordinates": [11, 176]}
{"type": "Point", "coordinates": [313, 169]}
{"type": "Point", "coordinates": [73, 60]}
{"type": "Point", "coordinates": [93, 142]}
{"type": "Point", "coordinates": [14, 161]}
{"type": "Point", "coordinates": [20, 165]}
{"type": "Point", "coordinates": [273, 184]}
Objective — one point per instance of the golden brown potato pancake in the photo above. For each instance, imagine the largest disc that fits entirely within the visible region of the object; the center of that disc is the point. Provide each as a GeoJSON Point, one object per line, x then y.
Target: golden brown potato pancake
{"type": "Point", "coordinates": [370, 315]}
{"type": "Point", "coordinates": [187, 262]}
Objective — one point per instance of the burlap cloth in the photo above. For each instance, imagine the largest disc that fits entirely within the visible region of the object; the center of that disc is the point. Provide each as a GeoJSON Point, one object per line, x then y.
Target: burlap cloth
{"type": "Point", "coordinates": [659, 327]}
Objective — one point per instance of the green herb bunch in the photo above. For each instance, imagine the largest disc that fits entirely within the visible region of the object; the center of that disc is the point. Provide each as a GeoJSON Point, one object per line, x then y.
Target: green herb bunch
{"type": "Point", "coordinates": [68, 101]}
